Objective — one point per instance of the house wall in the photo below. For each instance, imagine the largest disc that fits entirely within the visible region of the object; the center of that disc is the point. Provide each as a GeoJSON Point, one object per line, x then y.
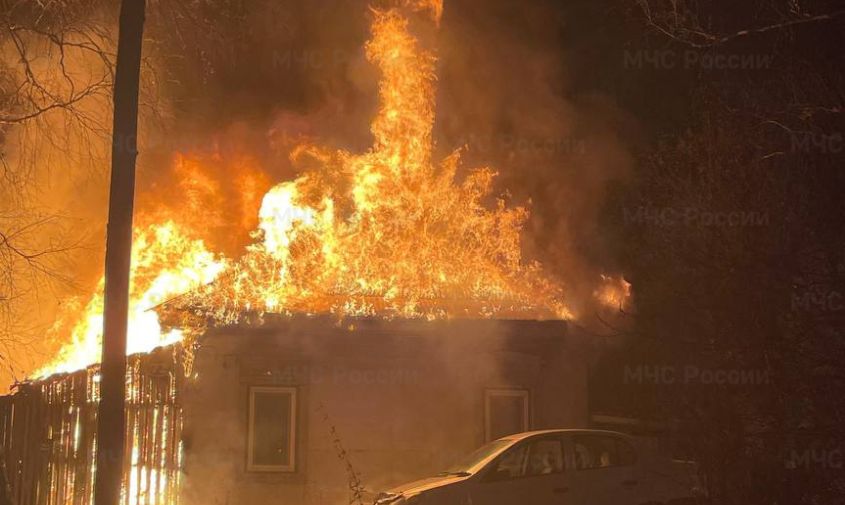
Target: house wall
{"type": "Point", "coordinates": [405, 400]}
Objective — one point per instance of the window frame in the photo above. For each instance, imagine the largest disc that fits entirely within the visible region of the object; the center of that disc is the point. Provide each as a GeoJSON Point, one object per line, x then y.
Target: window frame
{"type": "Point", "coordinates": [522, 393]}
{"type": "Point", "coordinates": [250, 442]}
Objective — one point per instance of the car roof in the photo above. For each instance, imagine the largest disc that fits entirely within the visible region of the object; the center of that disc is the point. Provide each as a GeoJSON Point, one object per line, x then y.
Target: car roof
{"type": "Point", "coordinates": [576, 431]}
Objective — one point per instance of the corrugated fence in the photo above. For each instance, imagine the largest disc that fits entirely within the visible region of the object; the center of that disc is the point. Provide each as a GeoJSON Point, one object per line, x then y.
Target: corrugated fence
{"type": "Point", "coordinates": [48, 434]}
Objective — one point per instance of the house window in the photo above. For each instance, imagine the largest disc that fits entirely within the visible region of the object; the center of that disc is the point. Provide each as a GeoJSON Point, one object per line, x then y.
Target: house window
{"type": "Point", "coordinates": [271, 440]}
{"type": "Point", "coordinates": [506, 411]}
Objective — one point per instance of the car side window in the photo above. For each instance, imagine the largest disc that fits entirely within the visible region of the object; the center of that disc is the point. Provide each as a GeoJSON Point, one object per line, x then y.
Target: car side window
{"type": "Point", "coordinates": [543, 456]}
{"type": "Point", "coordinates": [598, 451]}
{"type": "Point", "coordinates": [511, 464]}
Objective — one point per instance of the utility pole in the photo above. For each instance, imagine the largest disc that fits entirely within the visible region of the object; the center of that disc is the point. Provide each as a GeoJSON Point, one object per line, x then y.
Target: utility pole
{"type": "Point", "coordinates": [111, 418]}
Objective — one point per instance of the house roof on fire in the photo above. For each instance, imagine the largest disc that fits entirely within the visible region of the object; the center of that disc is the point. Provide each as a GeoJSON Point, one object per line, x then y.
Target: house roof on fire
{"type": "Point", "coordinates": [185, 311]}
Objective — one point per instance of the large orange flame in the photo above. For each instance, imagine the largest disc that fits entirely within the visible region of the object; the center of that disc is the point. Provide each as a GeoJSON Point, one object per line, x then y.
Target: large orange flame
{"type": "Point", "coordinates": [165, 263]}
{"type": "Point", "coordinates": [388, 232]}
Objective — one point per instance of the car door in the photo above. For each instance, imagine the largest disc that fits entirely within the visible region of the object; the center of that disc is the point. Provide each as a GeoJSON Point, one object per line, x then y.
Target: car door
{"type": "Point", "coordinates": [532, 472]}
{"type": "Point", "coordinates": [602, 471]}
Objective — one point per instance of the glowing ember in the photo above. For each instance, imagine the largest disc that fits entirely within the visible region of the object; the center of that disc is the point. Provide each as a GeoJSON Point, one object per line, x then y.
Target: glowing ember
{"type": "Point", "coordinates": [614, 292]}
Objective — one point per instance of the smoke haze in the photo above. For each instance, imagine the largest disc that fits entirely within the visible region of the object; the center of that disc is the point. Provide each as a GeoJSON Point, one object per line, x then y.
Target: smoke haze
{"type": "Point", "coordinates": [230, 89]}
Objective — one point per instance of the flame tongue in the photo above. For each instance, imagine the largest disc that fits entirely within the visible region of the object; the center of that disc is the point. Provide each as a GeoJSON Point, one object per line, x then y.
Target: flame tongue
{"type": "Point", "coordinates": [402, 127]}
{"type": "Point", "coordinates": [165, 263]}
{"type": "Point", "coordinates": [434, 7]}
{"type": "Point", "coordinates": [388, 224]}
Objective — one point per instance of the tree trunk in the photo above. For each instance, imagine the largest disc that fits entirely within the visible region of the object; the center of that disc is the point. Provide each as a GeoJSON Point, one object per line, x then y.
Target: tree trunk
{"type": "Point", "coordinates": [111, 416]}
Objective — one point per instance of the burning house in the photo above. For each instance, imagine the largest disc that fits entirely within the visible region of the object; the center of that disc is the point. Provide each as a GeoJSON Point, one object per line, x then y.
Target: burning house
{"type": "Point", "coordinates": [299, 410]}
{"type": "Point", "coordinates": [306, 412]}
{"type": "Point", "coordinates": [383, 323]}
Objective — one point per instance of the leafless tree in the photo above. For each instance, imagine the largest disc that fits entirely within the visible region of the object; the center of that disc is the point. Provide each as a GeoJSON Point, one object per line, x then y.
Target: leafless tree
{"type": "Point", "coordinates": [763, 146]}
{"type": "Point", "coordinates": [55, 79]}
{"type": "Point", "coordinates": [684, 21]}
{"type": "Point", "coordinates": [33, 263]}
{"type": "Point", "coordinates": [56, 76]}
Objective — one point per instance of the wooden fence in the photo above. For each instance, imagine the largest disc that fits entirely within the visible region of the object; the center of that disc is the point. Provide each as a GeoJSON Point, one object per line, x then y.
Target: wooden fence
{"type": "Point", "coordinates": [48, 435]}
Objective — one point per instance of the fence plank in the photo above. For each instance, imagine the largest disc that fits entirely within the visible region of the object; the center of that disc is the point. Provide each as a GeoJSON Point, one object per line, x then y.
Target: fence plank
{"type": "Point", "coordinates": [48, 434]}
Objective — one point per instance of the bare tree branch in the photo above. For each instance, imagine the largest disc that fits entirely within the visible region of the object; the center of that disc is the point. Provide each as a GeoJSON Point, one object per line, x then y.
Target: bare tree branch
{"type": "Point", "coordinates": [677, 24]}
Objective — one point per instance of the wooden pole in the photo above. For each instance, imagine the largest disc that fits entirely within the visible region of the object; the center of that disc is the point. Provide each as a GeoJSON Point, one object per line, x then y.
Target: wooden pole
{"type": "Point", "coordinates": [111, 415]}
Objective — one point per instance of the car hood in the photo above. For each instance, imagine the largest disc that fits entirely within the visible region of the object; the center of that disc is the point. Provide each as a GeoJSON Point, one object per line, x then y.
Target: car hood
{"type": "Point", "coordinates": [421, 485]}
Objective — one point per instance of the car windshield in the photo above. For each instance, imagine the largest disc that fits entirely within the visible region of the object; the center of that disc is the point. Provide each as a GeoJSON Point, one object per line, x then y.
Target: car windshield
{"type": "Point", "coordinates": [466, 464]}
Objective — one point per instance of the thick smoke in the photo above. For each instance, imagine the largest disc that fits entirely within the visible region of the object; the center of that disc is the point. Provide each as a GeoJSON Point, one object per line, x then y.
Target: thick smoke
{"type": "Point", "coordinates": [506, 93]}
{"type": "Point", "coordinates": [230, 88]}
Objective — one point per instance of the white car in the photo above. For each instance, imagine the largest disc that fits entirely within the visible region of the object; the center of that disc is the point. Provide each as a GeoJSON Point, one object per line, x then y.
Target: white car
{"type": "Point", "coordinates": [567, 467]}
